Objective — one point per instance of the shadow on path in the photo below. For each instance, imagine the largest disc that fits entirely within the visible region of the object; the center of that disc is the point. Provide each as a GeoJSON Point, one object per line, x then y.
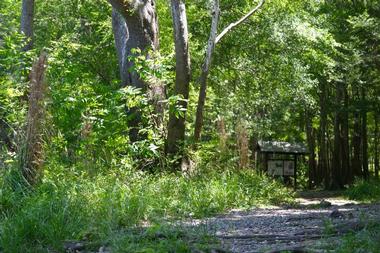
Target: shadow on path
{"type": "Point", "coordinates": [296, 228]}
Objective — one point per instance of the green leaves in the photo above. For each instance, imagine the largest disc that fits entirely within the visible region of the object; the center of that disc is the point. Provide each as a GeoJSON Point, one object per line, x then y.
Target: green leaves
{"type": "Point", "coordinates": [154, 68]}
{"type": "Point", "coordinates": [176, 105]}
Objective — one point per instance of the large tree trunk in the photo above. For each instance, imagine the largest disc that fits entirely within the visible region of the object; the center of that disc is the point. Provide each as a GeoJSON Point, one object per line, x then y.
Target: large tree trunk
{"type": "Point", "coordinates": [322, 155]}
{"type": "Point", "coordinates": [336, 180]}
{"type": "Point", "coordinates": [356, 147]}
{"type": "Point", "coordinates": [356, 141]}
{"type": "Point", "coordinates": [138, 30]}
{"type": "Point", "coordinates": [120, 32]}
{"type": "Point", "coordinates": [364, 137]}
{"type": "Point", "coordinates": [310, 135]}
{"type": "Point", "coordinates": [27, 19]}
{"type": "Point", "coordinates": [376, 144]}
{"type": "Point", "coordinates": [341, 173]}
{"type": "Point", "coordinates": [32, 157]}
{"type": "Point", "coordinates": [346, 168]}
{"type": "Point", "coordinates": [176, 126]}
{"type": "Point", "coordinates": [252, 146]}
{"type": "Point", "coordinates": [205, 71]}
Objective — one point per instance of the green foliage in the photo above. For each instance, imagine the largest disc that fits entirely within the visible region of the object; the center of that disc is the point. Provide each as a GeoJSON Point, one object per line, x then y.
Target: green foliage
{"type": "Point", "coordinates": [70, 204]}
{"type": "Point", "coordinates": [14, 68]}
{"type": "Point", "coordinates": [175, 105]}
{"type": "Point", "coordinates": [154, 69]}
{"type": "Point", "coordinates": [367, 240]}
{"type": "Point", "coordinates": [364, 191]}
{"type": "Point", "coordinates": [163, 238]}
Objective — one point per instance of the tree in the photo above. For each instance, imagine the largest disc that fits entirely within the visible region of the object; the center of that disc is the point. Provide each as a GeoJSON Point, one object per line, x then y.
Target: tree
{"type": "Point", "coordinates": [120, 32]}
{"type": "Point", "coordinates": [205, 70]}
{"type": "Point", "coordinates": [376, 148]}
{"type": "Point", "coordinates": [27, 20]}
{"type": "Point", "coordinates": [32, 158]}
{"type": "Point", "coordinates": [176, 125]}
{"type": "Point", "coordinates": [138, 30]}
{"type": "Point", "coordinates": [213, 40]}
{"type": "Point", "coordinates": [310, 136]}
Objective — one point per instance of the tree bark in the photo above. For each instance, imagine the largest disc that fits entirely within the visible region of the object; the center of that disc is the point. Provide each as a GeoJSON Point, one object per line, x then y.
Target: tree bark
{"type": "Point", "coordinates": [27, 20]}
{"type": "Point", "coordinates": [356, 141]}
{"type": "Point", "coordinates": [138, 30]}
{"type": "Point", "coordinates": [336, 181]}
{"type": "Point", "coordinates": [346, 167]}
{"type": "Point", "coordinates": [205, 71]}
{"type": "Point", "coordinates": [176, 125]}
{"type": "Point", "coordinates": [120, 32]}
{"type": "Point", "coordinates": [253, 147]}
{"type": "Point", "coordinates": [364, 136]}
{"type": "Point", "coordinates": [32, 157]}
{"type": "Point", "coordinates": [310, 135]}
{"type": "Point", "coordinates": [242, 144]}
{"type": "Point", "coordinates": [322, 155]}
{"type": "Point", "coordinates": [376, 144]}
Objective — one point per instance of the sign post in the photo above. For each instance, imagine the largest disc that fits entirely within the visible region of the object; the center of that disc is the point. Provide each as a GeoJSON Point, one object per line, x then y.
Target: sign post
{"type": "Point", "coordinates": [280, 158]}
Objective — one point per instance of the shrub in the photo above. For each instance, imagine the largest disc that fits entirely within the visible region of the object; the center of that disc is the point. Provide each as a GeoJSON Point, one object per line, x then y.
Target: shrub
{"type": "Point", "coordinates": [365, 191]}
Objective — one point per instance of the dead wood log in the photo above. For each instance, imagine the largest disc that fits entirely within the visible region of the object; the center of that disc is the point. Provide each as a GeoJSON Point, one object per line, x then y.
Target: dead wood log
{"type": "Point", "coordinates": [295, 249]}
{"type": "Point", "coordinates": [273, 237]}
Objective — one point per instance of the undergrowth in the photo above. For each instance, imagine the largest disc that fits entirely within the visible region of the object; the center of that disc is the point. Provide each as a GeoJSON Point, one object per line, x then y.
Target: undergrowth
{"type": "Point", "coordinates": [72, 205]}
{"type": "Point", "coordinates": [366, 240]}
{"type": "Point", "coordinates": [367, 191]}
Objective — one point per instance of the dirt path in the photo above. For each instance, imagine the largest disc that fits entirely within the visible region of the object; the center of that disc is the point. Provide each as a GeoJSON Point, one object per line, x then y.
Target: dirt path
{"type": "Point", "coordinates": [315, 222]}
{"type": "Point", "coordinates": [279, 228]}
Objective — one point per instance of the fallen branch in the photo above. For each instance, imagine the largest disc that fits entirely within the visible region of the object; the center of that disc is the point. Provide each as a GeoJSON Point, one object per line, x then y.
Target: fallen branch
{"type": "Point", "coordinates": [295, 249]}
{"type": "Point", "coordinates": [273, 237]}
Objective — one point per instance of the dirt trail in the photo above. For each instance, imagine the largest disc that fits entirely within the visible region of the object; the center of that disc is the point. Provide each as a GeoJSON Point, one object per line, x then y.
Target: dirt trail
{"type": "Point", "coordinates": [279, 228]}
{"type": "Point", "coordinates": [298, 228]}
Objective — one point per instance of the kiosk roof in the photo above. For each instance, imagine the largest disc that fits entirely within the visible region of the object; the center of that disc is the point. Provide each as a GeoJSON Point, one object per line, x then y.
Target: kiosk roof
{"type": "Point", "coordinates": [282, 147]}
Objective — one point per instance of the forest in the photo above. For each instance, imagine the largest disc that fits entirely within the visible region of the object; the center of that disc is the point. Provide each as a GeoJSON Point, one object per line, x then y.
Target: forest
{"type": "Point", "coordinates": [140, 125]}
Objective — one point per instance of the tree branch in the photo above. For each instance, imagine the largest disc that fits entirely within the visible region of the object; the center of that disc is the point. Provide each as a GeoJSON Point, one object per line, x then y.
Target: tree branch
{"type": "Point", "coordinates": [233, 25]}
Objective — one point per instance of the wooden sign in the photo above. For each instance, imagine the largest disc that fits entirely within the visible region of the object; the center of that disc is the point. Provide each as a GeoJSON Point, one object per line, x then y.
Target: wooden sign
{"type": "Point", "coordinates": [288, 168]}
{"type": "Point", "coordinates": [281, 168]}
{"type": "Point", "coordinates": [275, 168]}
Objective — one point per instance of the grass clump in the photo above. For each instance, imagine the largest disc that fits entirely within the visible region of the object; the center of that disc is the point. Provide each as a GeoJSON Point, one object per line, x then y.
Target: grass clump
{"type": "Point", "coordinates": [366, 240]}
{"type": "Point", "coordinates": [368, 191]}
{"type": "Point", "coordinates": [163, 238]}
{"type": "Point", "coordinates": [69, 205]}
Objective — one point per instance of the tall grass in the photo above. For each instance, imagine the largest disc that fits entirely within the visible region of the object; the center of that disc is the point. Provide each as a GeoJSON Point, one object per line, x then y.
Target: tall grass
{"type": "Point", "coordinates": [70, 205]}
{"type": "Point", "coordinates": [368, 191]}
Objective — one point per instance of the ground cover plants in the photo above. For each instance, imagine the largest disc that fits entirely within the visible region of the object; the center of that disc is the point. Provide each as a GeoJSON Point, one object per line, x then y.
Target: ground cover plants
{"type": "Point", "coordinates": [70, 206]}
{"type": "Point", "coordinates": [366, 191]}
